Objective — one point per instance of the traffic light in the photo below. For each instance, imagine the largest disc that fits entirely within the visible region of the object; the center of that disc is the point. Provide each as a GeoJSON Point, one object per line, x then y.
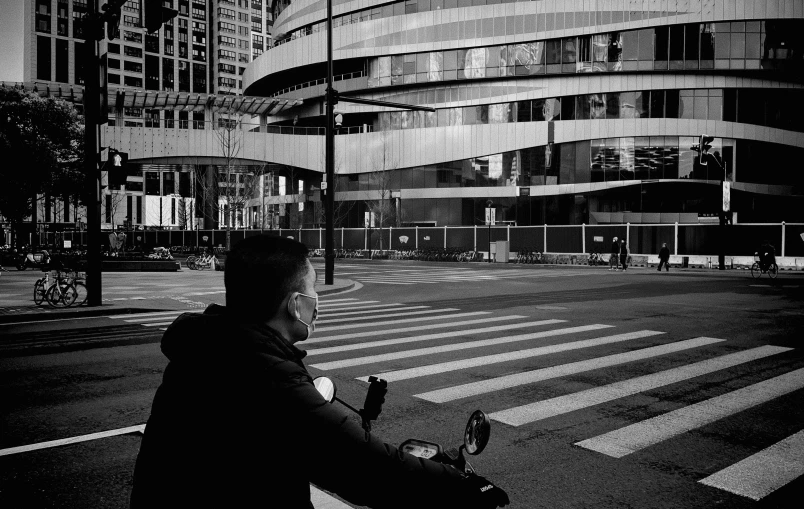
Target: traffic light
{"type": "Point", "coordinates": [704, 144]}
{"type": "Point", "coordinates": [116, 167]}
{"type": "Point", "coordinates": [156, 14]}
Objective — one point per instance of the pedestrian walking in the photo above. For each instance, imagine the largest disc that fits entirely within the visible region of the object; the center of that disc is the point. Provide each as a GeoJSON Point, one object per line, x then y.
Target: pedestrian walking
{"type": "Point", "coordinates": [664, 258]}
{"type": "Point", "coordinates": [624, 254]}
{"type": "Point", "coordinates": [614, 255]}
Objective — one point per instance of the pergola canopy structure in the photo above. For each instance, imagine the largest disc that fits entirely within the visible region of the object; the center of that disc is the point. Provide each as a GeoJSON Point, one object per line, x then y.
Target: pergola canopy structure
{"type": "Point", "coordinates": [122, 97]}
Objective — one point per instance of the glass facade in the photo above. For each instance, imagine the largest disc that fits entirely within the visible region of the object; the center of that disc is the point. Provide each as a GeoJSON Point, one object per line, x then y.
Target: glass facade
{"type": "Point", "coordinates": [600, 160]}
{"type": "Point", "coordinates": [779, 108]}
{"type": "Point", "coordinates": [770, 45]}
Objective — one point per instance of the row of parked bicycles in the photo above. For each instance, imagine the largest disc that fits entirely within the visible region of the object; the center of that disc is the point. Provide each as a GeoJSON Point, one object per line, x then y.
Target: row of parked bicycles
{"type": "Point", "coordinates": [529, 256]}
{"type": "Point", "coordinates": [60, 288]}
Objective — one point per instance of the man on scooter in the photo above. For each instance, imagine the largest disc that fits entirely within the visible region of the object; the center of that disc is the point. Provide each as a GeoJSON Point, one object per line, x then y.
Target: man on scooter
{"type": "Point", "coordinates": [237, 421]}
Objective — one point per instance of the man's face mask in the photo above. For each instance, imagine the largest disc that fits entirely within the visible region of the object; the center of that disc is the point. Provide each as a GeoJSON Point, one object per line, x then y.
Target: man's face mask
{"type": "Point", "coordinates": [306, 311]}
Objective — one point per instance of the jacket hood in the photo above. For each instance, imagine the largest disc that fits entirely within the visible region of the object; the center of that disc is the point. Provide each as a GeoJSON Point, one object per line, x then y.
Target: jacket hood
{"type": "Point", "coordinates": [216, 333]}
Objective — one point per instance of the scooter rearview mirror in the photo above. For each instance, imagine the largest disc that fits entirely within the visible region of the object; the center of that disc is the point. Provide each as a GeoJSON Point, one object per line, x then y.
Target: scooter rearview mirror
{"type": "Point", "coordinates": [325, 387]}
{"type": "Point", "coordinates": [478, 431]}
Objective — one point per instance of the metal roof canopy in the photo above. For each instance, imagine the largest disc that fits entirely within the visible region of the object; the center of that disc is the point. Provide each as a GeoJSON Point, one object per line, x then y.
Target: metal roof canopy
{"type": "Point", "coordinates": [121, 97]}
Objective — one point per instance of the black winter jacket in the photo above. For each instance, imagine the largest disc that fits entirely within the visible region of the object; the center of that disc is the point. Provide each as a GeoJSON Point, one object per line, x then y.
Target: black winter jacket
{"type": "Point", "coordinates": [237, 422]}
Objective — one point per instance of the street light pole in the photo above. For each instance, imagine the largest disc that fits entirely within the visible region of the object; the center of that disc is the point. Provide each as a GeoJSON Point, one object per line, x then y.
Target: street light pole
{"type": "Point", "coordinates": [91, 173]}
{"type": "Point", "coordinates": [329, 193]}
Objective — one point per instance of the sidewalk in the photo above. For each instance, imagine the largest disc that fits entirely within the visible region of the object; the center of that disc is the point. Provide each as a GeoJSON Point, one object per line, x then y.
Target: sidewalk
{"type": "Point", "coordinates": [20, 308]}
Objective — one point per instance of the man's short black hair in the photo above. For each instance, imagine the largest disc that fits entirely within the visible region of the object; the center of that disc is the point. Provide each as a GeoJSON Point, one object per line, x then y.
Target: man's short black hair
{"type": "Point", "coordinates": [260, 271]}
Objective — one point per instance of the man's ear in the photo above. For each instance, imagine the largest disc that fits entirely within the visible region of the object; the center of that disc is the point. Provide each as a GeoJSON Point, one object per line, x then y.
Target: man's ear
{"type": "Point", "coordinates": [292, 306]}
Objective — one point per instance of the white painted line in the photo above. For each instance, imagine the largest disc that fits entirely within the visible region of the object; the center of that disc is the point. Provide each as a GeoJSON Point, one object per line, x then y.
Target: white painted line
{"type": "Point", "coordinates": [357, 361]}
{"type": "Point", "coordinates": [764, 472]}
{"type": "Point", "coordinates": [72, 440]}
{"type": "Point", "coordinates": [385, 332]}
{"type": "Point", "coordinates": [388, 315]}
{"type": "Point", "coordinates": [152, 319]}
{"type": "Point", "coordinates": [158, 324]}
{"type": "Point", "coordinates": [366, 309]}
{"type": "Point", "coordinates": [539, 375]}
{"type": "Point", "coordinates": [137, 298]}
{"type": "Point", "coordinates": [407, 320]}
{"type": "Point", "coordinates": [518, 416]}
{"type": "Point", "coordinates": [649, 432]}
{"type": "Point", "coordinates": [323, 500]}
{"type": "Point", "coordinates": [324, 299]}
{"type": "Point", "coordinates": [146, 315]}
{"type": "Point", "coordinates": [426, 337]}
{"type": "Point", "coordinates": [358, 303]}
{"type": "Point", "coordinates": [204, 293]}
{"type": "Point", "coordinates": [373, 306]}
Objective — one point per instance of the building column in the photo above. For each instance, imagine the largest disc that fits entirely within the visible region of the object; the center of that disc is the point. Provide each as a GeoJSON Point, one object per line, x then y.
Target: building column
{"type": "Point", "coordinates": [210, 205]}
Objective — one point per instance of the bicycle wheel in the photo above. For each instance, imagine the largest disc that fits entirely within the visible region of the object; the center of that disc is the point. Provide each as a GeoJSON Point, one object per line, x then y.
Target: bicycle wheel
{"type": "Point", "coordinates": [39, 292]}
{"type": "Point", "coordinates": [80, 293]}
{"type": "Point", "coordinates": [756, 271]}
{"type": "Point", "coordinates": [773, 271]}
{"type": "Point", "coordinates": [68, 295]}
{"type": "Point", "coordinates": [53, 296]}
{"type": "Point", "coordinates": [190, 261]}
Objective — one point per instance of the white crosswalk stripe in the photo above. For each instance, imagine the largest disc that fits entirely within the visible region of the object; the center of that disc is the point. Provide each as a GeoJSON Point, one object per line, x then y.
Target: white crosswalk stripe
{"type": "Point", "coordinates": [643, 434]}
{"type": "Point", "coordinates": [344, 346]}
{"type": "Point", "coordinates": [763, 473]}
{"type": "Point", "coordinates": [413, 339]}
{"type": "Point", "coordinates": [456, 346]}
{"type": "Point", "coordinates": [496, 384]}
{"type": "Point", "coordinates": [563, 404]}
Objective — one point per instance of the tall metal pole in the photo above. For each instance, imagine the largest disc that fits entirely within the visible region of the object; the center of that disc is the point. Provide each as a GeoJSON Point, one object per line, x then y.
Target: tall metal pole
{"type": "Point", "coordinates": [329, 192]}
{"type": "Point", "coordinates": [92, 173]}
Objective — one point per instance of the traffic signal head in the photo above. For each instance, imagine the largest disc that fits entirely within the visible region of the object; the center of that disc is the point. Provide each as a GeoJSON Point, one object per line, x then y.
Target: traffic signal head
{"type": "Point", "coordinates": [705, 143]}
{"type": "Point", "coordinates": [116, 166]}
{"type": "Point", "coordinates": [156, 14]}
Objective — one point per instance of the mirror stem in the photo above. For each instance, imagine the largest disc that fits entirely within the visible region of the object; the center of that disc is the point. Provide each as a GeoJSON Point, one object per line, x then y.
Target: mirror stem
{"type": "Point", "coordinates": [347, 405]}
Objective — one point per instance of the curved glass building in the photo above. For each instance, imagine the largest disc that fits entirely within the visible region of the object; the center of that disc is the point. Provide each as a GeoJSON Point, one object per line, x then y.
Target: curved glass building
{"type": "Point", "coordinates": [558, 112]}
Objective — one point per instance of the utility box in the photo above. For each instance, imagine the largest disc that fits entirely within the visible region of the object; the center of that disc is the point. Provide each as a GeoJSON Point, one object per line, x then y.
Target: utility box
{"type": "Point", "coordinates": [502, 251]}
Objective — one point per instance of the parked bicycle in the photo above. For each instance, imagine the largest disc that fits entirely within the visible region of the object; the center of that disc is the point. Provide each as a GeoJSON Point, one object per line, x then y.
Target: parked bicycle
{"type": "Point", "coordinates": [597, 259]}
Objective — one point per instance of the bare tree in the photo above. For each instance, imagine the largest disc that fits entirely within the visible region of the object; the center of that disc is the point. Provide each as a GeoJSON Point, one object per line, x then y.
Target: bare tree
{"type": "Point", "coordinates": [112, 205]}
{"type": "Point", "coordinates": [341, 208]}
{"type": "Point", "coordinates": [379, 203]}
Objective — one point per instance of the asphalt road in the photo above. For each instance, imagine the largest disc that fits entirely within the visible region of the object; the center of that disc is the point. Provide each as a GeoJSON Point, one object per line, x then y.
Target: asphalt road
{"type": "Point", "coordinates": [605, 389]}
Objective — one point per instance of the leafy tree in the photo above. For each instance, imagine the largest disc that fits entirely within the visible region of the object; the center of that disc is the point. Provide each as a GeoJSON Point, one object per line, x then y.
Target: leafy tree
{"type": "Point", "coordinates": [41, 151]}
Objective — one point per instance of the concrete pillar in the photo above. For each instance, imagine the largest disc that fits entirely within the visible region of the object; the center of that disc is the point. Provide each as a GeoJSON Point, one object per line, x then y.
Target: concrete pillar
{"type": "Point", "coordinates": [263, 123]}
{"type": "Point", "coordinates": [675, 240]}
{"type": "Point", "coordinates": [545, 238]}
{"type": "Point", "coordinates": [783, 237]}
{"type": "Point", "coordinates": [445, 238]}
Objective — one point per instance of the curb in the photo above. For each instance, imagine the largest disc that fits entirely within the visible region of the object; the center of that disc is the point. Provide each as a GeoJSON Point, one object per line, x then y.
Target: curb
{"type": "Point", "coordinates": [78, 313]}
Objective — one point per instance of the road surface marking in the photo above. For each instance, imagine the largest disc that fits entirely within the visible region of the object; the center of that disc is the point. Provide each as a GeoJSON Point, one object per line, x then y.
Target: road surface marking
{"type": "Point", "coordinates": [578, 400]}
{"type": "Point", "coordinates": [153, 318]}
{"type": "Point", "coordinates": [397, 307]}
{"type": "Point", "coordinates": [538, 375]}
{"type": "Point", "coordinates": [345, 304]}
{"type": "Point", "coordinates": [72, 440]}
{"type": "Point", "coordinates": [331, 301]}
{"type": "Point", "coordinates": [407, 320]}
{"type": "Point", "coordinates": [388, 315]}
{"type": "Point", "coordinates": [441, 335]}
{"type": "Point", "coordinates": [649, 432]}
{"type": "Point", "coordinates": [764, 472]}
{"type": "Point", "coordinates": [146, 315]}
{"type": "Point", "coordinates": [323, 500]}
{"type": "Point", "coordinates": [357, 361]}
{"type": "Point", "coordinates": [385, 332]}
